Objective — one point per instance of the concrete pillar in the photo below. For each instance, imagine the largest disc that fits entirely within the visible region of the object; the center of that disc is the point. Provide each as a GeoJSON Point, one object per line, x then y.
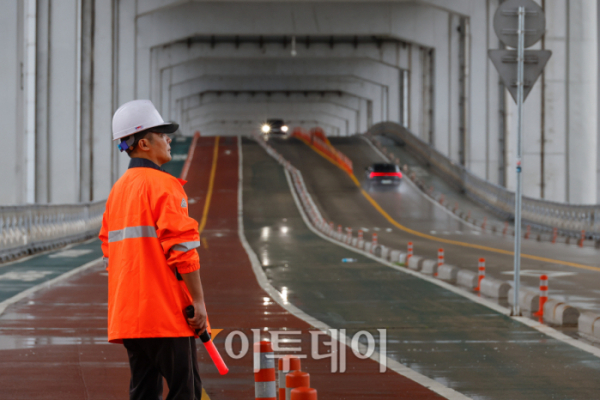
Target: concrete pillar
{"type": "Point", "coordinates": [10, 82]}
{"type": "Point", "coordinates": [42, 190]}
{"type": "Point", "coordinates": [494, 125]}
{"type": "Point", "coordinates": [556, 108]}
{"type": "Point", "coordinates": [583, 100]}
{"type": "Point", "coordinates": [416, 95]}
{"type": "Point", "coordinates": [479, 92]}
{"type": "Point", "coordinates": [63, 102]}
{"type": "Point", "coordinates": [103, 99]}
{"type": "Point", "coordinates": [454, 146]}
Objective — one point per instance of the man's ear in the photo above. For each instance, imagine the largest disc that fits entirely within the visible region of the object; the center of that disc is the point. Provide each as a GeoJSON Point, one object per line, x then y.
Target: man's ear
{"type": "Point", "coordinates": [143, 144]}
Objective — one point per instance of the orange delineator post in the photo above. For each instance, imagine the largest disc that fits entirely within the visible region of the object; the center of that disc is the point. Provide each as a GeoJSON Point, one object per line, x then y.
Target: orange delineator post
{"type": "Point", "coordinates": [349, 235]}
{"type": "Point", "coordinates": [582, 238]}
{"type": "Point", "coordinates": [481, 273]}
{"type": "Point", "coordinates": [304, 393]}
{"type": "Point", "coordinates": [505, 228]}
{"type": "Point", "coordinates": [543, 295]}
{"type": "Point", "coordinates": [264, 371]}
{"type": "Point", "coordinates": [360, 234]}
{"type": "Point", "coordinates": [409, 251]}
{"type": "Point", "coordinates": [286, 365]}
{"type": "Point", "coordinates": [440, 259]}
{"type": "Point", "coordinates": [294, 380]}
{"type": "Point", "coordinates": [554, 234]}
{"type": "Point", "coordinates": [528, 232]}
{"type": "Point", "coordinates": [484, 223]}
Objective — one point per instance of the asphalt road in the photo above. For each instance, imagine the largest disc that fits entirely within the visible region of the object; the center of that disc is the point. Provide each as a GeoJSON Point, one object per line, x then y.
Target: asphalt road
{"type": "Point", "coordinates": [342, 202]}
{"type": "Point", "coordinates": [440, 334]}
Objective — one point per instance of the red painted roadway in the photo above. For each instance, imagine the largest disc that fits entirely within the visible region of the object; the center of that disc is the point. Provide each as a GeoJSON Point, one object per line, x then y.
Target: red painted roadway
{"type": "Point", "coordinates": [53, 344]}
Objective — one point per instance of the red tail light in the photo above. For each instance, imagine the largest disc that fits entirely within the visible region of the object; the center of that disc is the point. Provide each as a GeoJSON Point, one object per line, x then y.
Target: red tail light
{"type": "Point", "coordinates": [374, 174]}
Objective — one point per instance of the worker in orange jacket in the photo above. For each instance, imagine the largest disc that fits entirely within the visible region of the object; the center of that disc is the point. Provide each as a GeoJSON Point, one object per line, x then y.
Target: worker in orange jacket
{"type": "Point", "coordinates": [149, 245]}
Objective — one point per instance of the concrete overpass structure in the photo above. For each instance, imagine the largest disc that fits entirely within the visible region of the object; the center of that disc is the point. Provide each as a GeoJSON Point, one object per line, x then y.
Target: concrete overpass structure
{"type": "Point", "coordinates": [222, 67]}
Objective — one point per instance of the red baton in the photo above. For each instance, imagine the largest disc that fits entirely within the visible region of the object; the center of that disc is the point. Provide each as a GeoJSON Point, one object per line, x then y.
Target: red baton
{"type": "Point", "coordinates": [209, 345]}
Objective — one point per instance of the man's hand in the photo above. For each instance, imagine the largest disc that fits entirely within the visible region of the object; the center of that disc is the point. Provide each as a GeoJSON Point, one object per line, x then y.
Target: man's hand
{"type": "Point", "coordinates": [194, 285]}
{"type": "Point", "coordinates": [199, 321]}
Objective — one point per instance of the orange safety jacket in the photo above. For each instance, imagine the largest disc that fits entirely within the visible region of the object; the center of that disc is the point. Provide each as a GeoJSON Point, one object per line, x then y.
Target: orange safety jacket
{"type": "Point", "coordinates": [147, 239]}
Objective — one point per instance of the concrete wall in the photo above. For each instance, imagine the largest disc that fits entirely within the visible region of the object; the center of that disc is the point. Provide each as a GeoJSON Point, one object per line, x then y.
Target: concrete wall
{"type": "Point", "coordinates": [69, 64]}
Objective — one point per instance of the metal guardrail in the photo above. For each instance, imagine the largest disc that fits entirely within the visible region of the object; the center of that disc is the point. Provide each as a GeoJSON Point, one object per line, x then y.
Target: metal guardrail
{"type": "Point", "coordinates": [570, 220]}
{"type": "Point", "coordinates": [27, 229]}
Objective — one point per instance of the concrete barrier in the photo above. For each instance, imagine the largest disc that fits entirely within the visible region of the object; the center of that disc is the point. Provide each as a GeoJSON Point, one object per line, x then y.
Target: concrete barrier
{"type": "Point", "coordinates": [589, 323]}
{"type": "Point", "coordinates": [385, 251]}
{"type": "Point", "coordinates": [529, 300]}
{"type": "Point", "coordinates": [377, 250]}
{"type": "Point", "coordinates": [394, 256]}
{"type": "Point", "coordinates": [429, 267]}
{"type": "Point", "coordinates": [402, 258]}
{"type": "Point", "coordinates": [414, 263]}
{"type": "Point", "coordinates": [561, 314]}
{"type": "Point", "coordinates": [447, 273]}
{"type": "Point", "coordinates": [494, 288]}
{"type": "Point", "coordinates": [467, 279]}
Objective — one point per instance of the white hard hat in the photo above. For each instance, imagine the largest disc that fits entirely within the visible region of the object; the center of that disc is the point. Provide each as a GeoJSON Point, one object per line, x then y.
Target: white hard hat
{"type": "Point", "coordinates": [139, 115]}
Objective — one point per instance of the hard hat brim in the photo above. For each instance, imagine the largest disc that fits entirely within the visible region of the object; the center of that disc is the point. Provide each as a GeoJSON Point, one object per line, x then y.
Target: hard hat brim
{"type": "Point", "coordinates": [170, 127]}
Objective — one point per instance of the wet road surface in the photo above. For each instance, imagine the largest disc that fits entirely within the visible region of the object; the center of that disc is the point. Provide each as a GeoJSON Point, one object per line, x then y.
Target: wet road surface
{"type": "Point", "coordinates": [53, 343]}
{"type": "Point", "coordinates": [464, 345]}
{"type": "Point", "coordinates": [340, 201]}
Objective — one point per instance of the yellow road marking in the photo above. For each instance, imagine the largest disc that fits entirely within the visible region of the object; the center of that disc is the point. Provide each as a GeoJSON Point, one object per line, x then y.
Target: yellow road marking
{"type": "Point", "coordinates": [211, 183]}
{"type": "Point", "coordinates": [441, 240]}
{"type": "Point", "coordinates": [205, 243]}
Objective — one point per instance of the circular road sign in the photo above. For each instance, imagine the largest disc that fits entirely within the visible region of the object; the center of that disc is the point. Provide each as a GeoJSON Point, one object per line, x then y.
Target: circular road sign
{"type": "Point", "coordinates": [506, 22]}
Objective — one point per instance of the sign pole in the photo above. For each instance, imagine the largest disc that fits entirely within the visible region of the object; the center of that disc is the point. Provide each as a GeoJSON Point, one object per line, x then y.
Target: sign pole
{"type": "Point", "coordinates": [520, 84]}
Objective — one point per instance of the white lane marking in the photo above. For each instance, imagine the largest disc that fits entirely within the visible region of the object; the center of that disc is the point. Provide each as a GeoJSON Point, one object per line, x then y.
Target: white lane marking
{"type": "Point", "coordinates": [74, 253]}
{"type": "Point", "coordinates": [42, 253]}
{"type": "Point", "coordinates": [376, 229]}
{"type": "Point", "coordinates": [24, 276]}
{"type": "Point", "coordinates": [537, 272]}
{"type": "Point", "coordinates": [388, 230]}
{"type": "Point", "coordinates": [450, 213]}
{"type": "Point", "coordinates": [394, 365]}
{"type": "Point", "coordinates": [553, 333]}
{"type": "Point", "coordinates": [47, 284]}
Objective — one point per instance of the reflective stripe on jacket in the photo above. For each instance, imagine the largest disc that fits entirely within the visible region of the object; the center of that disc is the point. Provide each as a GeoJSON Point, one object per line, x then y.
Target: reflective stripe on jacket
{"type": "Point", "coordinates": [148, 236]}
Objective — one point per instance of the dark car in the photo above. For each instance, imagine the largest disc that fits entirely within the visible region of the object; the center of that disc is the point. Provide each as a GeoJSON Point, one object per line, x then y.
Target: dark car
{"type": "Point", "coordinates": [383, 175]}
{"type": "Point", "coordinates": [276, 126]}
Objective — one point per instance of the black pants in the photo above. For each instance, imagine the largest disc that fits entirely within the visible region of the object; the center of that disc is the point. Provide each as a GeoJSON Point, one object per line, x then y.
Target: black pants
{"type": "Point", "coordinates": [172, 358]}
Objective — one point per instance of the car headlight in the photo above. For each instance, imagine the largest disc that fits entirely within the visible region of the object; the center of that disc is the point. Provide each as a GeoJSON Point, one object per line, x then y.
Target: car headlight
{"type": "Point", "coordinates": [265, 128]}
{"type": "Point", "coordinates": [284, 128]}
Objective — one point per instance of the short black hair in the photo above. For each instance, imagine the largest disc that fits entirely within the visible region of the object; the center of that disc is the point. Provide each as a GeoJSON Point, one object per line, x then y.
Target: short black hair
{"type": "Point", "coordinates": [136, 139]}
